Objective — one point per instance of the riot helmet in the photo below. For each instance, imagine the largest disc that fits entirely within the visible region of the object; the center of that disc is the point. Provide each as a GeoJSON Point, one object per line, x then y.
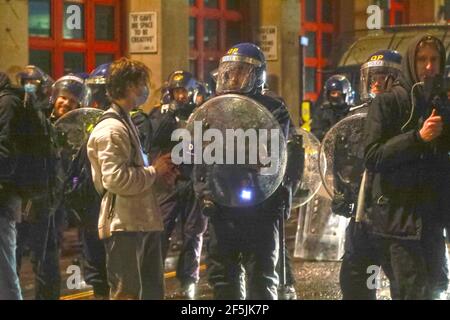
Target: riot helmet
{"type": "Point", "coordinates": [379, 72]}
{"type": "Point", "coordinates": [165, 94]}
{"type": "Point", "coordinates": [67, 94]}
{"type": "Point", "coordinates": [96, 95]}
{"type": "Point", "coordinates": [242, 70]}
{"type": "Point", "coordinates": [202, 93]}
{"type": "Point", "coordinates": [34, 80]}
{"type": "Point", "coordinates": [338, 91]}
{"type": "Point", "coordinates": [181, 86]}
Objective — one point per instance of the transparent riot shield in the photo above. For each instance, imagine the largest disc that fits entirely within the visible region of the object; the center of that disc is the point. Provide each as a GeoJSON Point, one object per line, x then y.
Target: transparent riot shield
{"type": "Point", "coordinates": [320, 232]}
{"type": "Point", "coordinates": [238, 150]}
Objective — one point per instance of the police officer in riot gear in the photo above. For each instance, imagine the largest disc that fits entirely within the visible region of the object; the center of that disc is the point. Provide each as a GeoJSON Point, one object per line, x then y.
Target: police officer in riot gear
{"type": "Point", "coordinates": [378, 74]}
{"type": "Point", "coordinates": [94, 256]}
{"type": "Point", "coordinates": [37, 86]}
{"type": "Point", "coordinates": [96, 96]}
{"type": "Point", "coordinates": [67, 94]}
{"type": "Point", "coordinates": [203, 93]}
{"type": "Point", "coordinates": [183, 93]}
{"type": "Point", "coordinates": [338, 99]}
{"type": "Point", "coordinates": [44, 215]}
{"type": "Point", "coordinates": [243, 71]}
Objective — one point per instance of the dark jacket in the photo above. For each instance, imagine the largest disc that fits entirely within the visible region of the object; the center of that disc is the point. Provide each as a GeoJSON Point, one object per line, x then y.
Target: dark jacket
{"type": "Point", "coordinates": [9, 103]}
{"type": "Point", "coordinates": [326, 116]}
{"type": "Point", "coordinates": [142, 122]}
{"type": "Point", "coordinates": [406, 177]}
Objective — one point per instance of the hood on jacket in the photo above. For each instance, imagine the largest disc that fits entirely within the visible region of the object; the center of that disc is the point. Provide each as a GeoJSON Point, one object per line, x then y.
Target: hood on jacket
{"type": "Point", "coordinates": [409, 72]}
{"type": "Point", "coordinates": [5, 83]}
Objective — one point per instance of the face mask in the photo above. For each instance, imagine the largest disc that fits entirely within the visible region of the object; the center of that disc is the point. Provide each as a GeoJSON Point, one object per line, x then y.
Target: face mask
{"type": "Point", "coordinates": [140, 100]}
{"type": "Point", "coordinates": [30, 88]}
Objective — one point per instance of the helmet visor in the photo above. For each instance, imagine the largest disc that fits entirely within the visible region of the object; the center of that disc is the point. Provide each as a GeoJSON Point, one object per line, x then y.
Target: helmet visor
{"type": "Point", "coordinates": [236, 76]}
{"type": "Point", "coordinates": [375, 81]}
{"type": "Point", "coordinates": [96, 97]}
{"type": "Point", "coordinates": [73, 86]}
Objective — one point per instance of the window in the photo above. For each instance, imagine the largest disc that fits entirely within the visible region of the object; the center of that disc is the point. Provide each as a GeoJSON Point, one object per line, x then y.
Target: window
{"type": "Point", "coordinates": [310, 9]}
{"type": "Point", "coordinates": [311, 48]}
{"type": "Point", "coordinates": [394, 11]}
{"type": "Point", "coordinates": [397, 12]}
{"type": "Point", "coordinates": [73, 35]}
{"type": "Point", "coordinates": [42, 58]}
{"type": "Point", "coordinates": [214, 26]}
{"type": "Point", "coordinates": [310, 79]}
{"type": "Point", "coordinates": [326, 44]}
{"type": "Point", "coordinates": [73, 20]}
{"type": "Point", "coordinates": [192, 33]}
{"type": "Point", "coordinates": [73, 62]}
{"type": "Point", "coordinates": [211, 3]}
{"type": "Point", "coordinates": [318, 26]}
{"type": "Point", "coordinates": [233, 4]}
{"type": "Point", "coordinates": [101, 58]}
{"type": "Point", "coordinates": [234, 32]}
{"type": "Point", "coordinates": [211, 34]}
{"type": "Point", "coordinates": [327, 12]}
{"type": "Point", "coordinates": [104, 23]}
{"type": "Point", "coordinates": [39, 18]}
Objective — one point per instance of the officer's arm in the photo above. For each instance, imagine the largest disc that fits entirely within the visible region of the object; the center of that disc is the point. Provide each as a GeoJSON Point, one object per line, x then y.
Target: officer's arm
{"type": "Point", "coordinates": [317, 124]}
{"type": "Point", "coordinates": [385, 147]}
{"type": "Point", "coordinates": [163, 125]}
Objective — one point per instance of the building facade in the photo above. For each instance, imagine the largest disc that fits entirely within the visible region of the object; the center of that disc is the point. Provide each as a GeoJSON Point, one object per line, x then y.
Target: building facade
{"type": "Point", "coordinates": [63, 36]}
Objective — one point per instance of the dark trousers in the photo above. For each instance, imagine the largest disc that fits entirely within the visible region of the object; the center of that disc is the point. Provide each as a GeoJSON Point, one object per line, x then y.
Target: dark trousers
{"type": "Point", "coordinates": [360, 254]}
{"type": "Point", "coordinates": [9, 281]}
{"type": "Point", "coordinates": [183, 207]}
{"type": "Point", "coordinates": [41, 237]}
{"type": "Point", "coordinates": [419, 266]}
{"type": "Point", "coordinates": [238, 237]}
{"type": "Point", "coordinates": [134, 266]}
{"type": "Point", "coordinates": [94, 262]}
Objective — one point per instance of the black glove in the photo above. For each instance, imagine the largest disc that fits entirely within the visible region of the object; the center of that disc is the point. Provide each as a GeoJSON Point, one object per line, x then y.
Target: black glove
{"type": "Point", "coordinates": [209, 208]}
{"type": "Point", "coordinates": [341, 206]}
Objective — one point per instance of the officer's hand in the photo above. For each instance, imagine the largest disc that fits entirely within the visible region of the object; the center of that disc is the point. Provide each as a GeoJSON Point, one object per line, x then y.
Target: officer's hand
{"type": "Point", "coordinates": [341, 206]}
{"type": "Point", "coordinates": [432, 127]}
{"type": "Point", "coordinates": [165, 169]}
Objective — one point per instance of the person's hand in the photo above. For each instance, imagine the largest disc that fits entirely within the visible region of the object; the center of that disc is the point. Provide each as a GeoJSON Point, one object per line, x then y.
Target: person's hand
{"type": "Point", "coordinates": [432, 127]}
{"type": "Point", "coordinates": [165, 169]}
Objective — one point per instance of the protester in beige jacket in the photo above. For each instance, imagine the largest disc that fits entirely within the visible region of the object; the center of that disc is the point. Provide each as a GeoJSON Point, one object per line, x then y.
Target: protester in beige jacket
{"type": "Point", "coordinates": [130, 221]}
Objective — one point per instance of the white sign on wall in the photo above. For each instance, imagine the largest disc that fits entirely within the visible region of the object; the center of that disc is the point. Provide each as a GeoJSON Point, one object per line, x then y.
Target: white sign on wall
{"type": "Point", "coordinates": [143, 32]}
{"type": "Point", "coordinates": [268, 42]}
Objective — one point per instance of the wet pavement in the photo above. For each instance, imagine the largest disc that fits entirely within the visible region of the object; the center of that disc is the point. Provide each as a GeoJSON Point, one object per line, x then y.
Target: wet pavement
{"type": "Point", "coordinates": [315, 280]}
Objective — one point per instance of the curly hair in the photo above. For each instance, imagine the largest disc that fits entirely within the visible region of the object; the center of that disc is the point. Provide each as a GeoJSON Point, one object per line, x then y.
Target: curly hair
{"type": "Point", "coordinates": [124, 73]}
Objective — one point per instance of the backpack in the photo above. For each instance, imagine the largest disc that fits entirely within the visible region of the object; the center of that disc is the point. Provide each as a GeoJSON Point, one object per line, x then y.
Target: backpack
{"type": "Point", "coordinates": [80, 195]}
{"type": "Point", "coordinates": [142, 122]}
{"type": "Point", "coordinates": [35, 157]}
